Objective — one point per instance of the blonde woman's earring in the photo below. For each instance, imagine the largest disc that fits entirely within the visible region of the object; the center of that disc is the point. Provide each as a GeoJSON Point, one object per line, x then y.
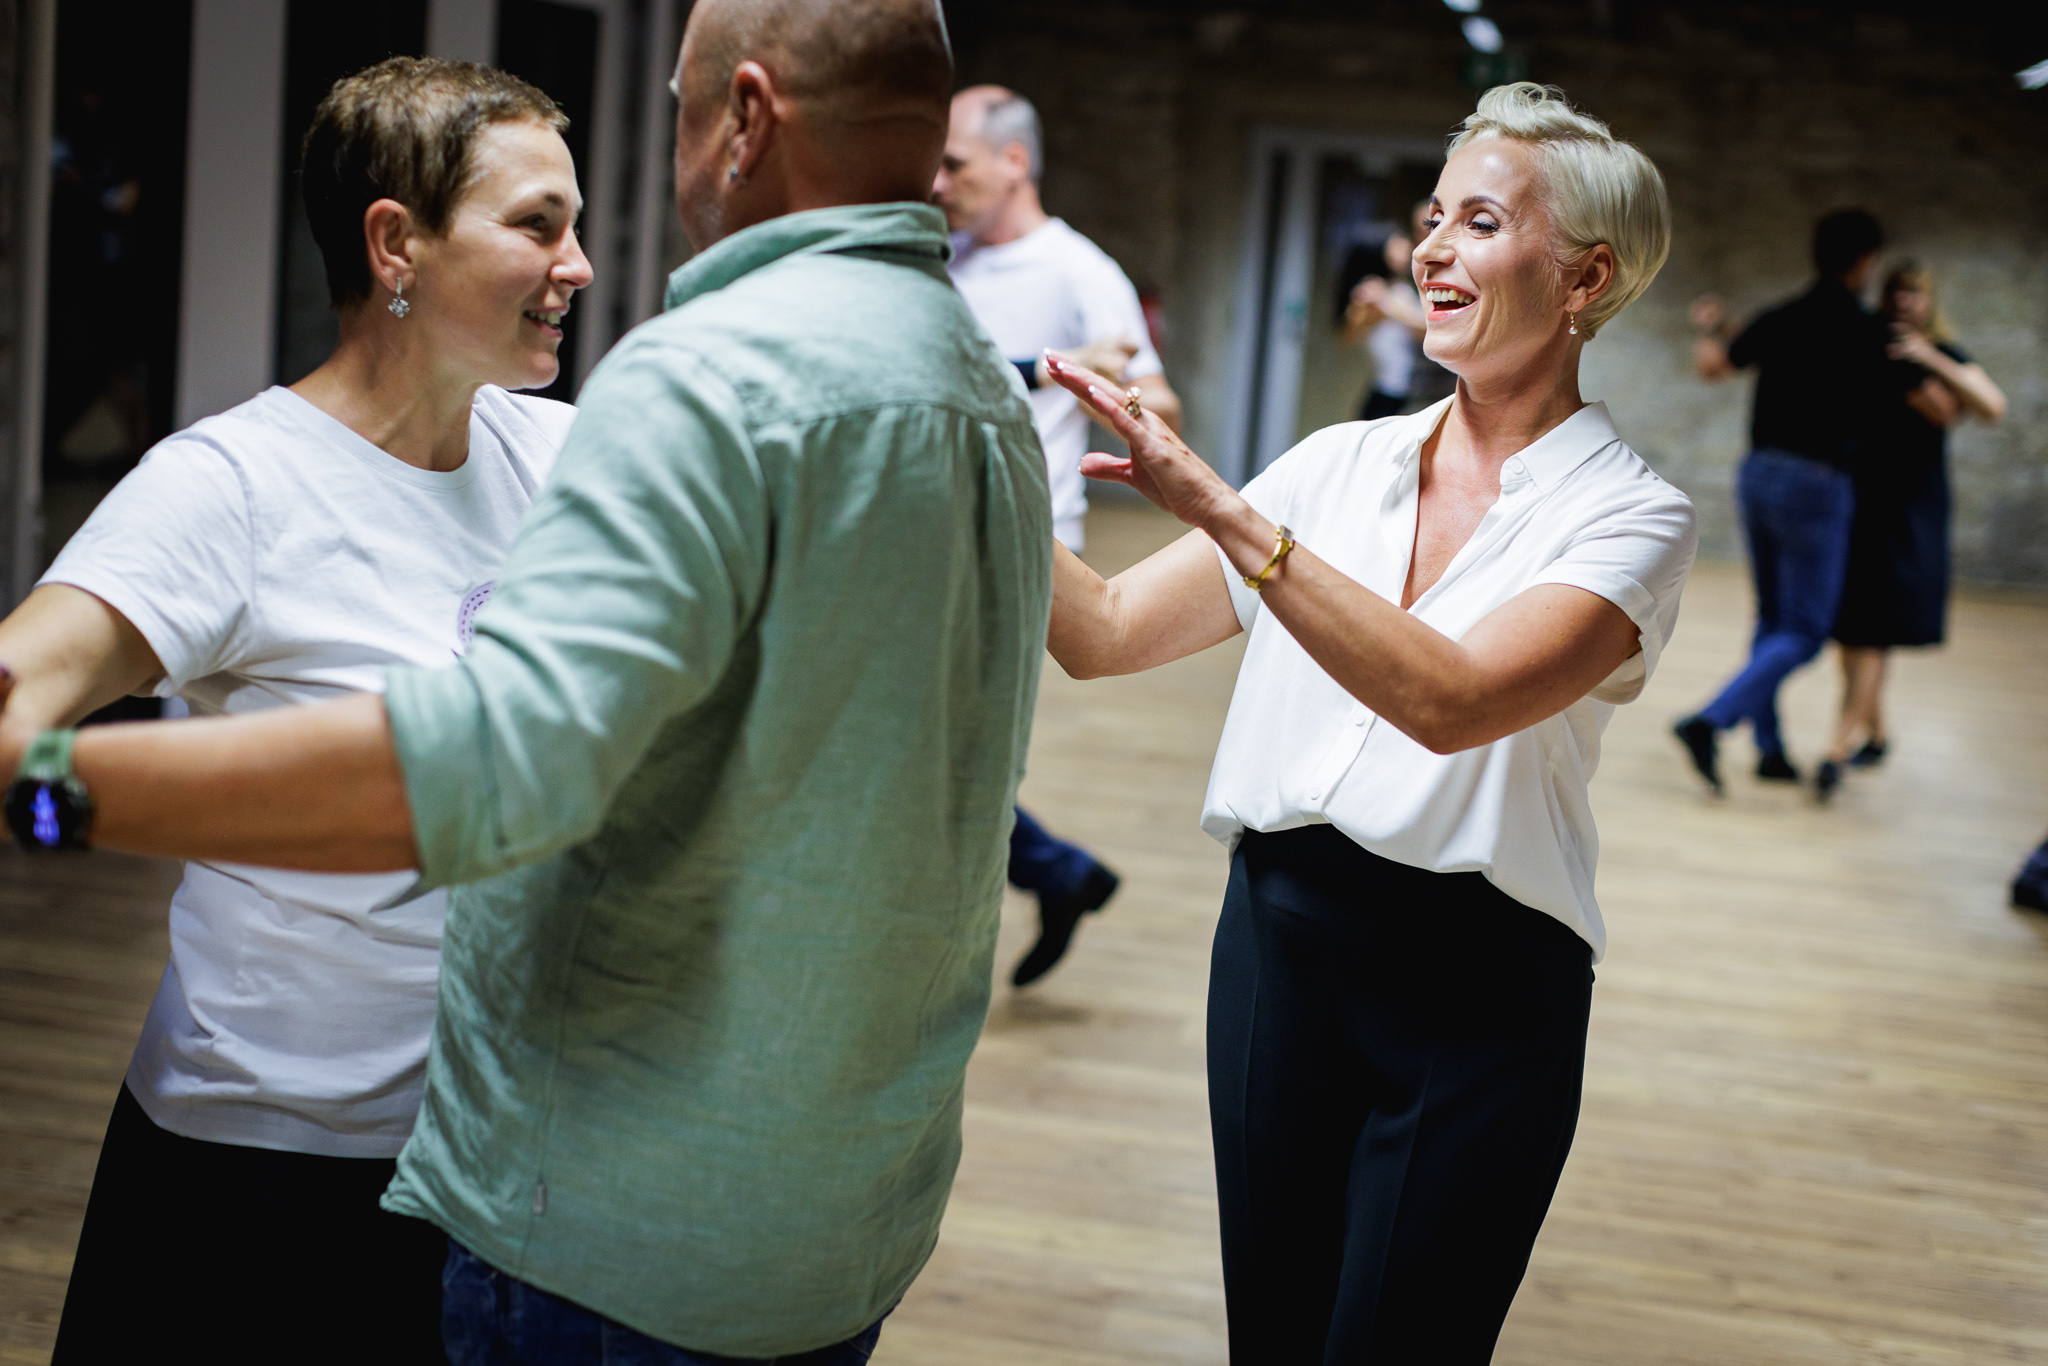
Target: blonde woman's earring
{"type": "Point", "coordinates": [398, 306]}
{"type": "Point", "coordinates": [1573, 319]}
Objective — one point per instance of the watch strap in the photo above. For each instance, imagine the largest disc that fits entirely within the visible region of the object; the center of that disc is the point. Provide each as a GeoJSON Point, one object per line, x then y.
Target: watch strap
{"type": "Point", "coordinates": [48, 757]}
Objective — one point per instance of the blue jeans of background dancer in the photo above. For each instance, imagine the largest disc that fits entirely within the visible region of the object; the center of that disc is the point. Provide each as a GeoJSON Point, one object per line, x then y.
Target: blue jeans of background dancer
{"type": "Point", "coordinates": [1042, 864]}
{"type": "Point", "coordinates": [1797, 513]}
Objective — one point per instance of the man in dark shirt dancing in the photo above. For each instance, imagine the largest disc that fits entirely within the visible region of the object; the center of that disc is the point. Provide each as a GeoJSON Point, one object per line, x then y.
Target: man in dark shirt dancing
{"type": "Point", "coordinates": [1822, 378]}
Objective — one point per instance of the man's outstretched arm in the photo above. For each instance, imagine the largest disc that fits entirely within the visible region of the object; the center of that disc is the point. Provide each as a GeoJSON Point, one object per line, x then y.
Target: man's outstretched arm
{"type": "Point", "coordinates": [315, 787]}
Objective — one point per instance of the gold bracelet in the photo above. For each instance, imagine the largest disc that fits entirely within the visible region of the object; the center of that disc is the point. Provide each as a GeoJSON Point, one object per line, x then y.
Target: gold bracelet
{"type": "Point", "coordinates": [1281, 545]}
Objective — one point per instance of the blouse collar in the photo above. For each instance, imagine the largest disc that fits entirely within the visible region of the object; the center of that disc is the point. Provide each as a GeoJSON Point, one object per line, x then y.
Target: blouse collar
{"type": "Point", "coordinates": [1546, 460]}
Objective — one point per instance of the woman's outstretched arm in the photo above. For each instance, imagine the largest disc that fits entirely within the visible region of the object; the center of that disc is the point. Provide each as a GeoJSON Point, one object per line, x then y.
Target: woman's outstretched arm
{"type": "Point", "coordinates": [69, 654]}
{"type": "Point", "coordinates": [1168, 605]}
{"type": "Point", "coordinates": [1527, 660]}
{"type": "Point", "coordinates": [314, 787]}
{"type": "Point", "coordinates": [1972, 386]}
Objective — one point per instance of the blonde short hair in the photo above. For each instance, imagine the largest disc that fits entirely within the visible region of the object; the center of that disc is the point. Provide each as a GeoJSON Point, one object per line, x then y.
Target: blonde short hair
{"type": "Point", "coordinates": [1598, 188]}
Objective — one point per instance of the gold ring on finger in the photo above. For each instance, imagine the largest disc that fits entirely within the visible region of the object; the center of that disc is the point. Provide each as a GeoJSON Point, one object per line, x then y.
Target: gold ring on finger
{"type": "Point", "coordinates": [1134, 401]}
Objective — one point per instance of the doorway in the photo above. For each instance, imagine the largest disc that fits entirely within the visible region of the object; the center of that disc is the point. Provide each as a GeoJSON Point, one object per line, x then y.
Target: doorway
{"type": "Point", "coordinates": [117, 210]}
{"type": "Point", "coordinates": [1322, 205]}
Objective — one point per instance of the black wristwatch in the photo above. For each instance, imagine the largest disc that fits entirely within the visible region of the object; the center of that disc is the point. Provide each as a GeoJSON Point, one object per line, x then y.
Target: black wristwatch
{"type": "Point", "coordinates": [47, 807]}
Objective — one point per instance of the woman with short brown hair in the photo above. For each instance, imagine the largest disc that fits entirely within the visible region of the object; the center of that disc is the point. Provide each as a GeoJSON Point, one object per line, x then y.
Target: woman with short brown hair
{"type": "Point", "coordinates": [285, 551]}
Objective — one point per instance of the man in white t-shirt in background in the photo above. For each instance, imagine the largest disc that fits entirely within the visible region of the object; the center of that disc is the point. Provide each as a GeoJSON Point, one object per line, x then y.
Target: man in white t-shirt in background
{"type": "Point", "coordinates": [1036, 284]}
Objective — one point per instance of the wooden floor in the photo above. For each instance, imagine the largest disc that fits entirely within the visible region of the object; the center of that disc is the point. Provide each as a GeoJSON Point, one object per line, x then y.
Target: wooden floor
{"type": "Point", "coordinates": [1816, 1119]}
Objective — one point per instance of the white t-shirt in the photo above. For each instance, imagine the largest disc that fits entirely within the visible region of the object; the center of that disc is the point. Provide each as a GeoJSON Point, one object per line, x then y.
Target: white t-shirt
{"type": "Point", "coordinates": [1576, 507]}
{"type": "Point", "coordinates": [1393, 347]}
{"type": "Point", "coordinates": [1053, 288]}
{"type": "Point", "coordinates": [271, 556]}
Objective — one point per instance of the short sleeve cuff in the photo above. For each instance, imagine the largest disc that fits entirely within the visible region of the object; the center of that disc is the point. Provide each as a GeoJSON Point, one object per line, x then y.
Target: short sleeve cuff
{"type": "Point", "coordinates": [437, 728]}
{"type": "Point", "coordinates": [1243, 600]}
{"type": "Point", "coordinates": [1632, 598]}
{"type": "Point", "coordinates": [166, 642]}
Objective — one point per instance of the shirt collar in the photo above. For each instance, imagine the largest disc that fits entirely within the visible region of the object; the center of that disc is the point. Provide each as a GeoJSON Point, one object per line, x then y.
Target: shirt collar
{"type": "Point", "coordinates": [1546, 460]}
{"type": "Point", "coordinates": [914, 232]}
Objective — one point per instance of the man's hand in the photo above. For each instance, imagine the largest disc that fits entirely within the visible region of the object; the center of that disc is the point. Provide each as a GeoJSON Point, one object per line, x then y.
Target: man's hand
{"type": "Point", "coordinates": [1109, 357]}
{"type": "Point", "coordinates": [1915, 347]}
{"type": "Point", "coordinates": [1709, 318]}
{"type": "Point", "coordinates": [1710, 349]}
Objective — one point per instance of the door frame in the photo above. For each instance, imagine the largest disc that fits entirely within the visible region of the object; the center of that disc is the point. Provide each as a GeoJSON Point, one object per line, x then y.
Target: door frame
{"type": "Point", "coordinates": [1276, 265]}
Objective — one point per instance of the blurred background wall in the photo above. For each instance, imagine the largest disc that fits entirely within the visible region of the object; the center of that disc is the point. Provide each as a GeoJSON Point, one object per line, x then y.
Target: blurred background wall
{"type": "Point", "coordinates": [1762, 117]}
{"type": "Point", "coordinates": [1233, 157]}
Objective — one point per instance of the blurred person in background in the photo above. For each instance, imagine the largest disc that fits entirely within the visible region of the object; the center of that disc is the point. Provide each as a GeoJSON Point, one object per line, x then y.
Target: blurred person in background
{"type": "Point", "coordinates": [1896, 592]}
{"type": "Point", "coordinates": [285, 552]}
{"type": "Point", "coordinates": [1036, 285]}
{"type": "Point", "coordinates": [1443, 612]}
{"type": "Point", "coordinates": [1428, 382]}
{"type": "Point", "coordinates": [1825, 385]}
{"type": "Point", "coordinates": [1384, 314]}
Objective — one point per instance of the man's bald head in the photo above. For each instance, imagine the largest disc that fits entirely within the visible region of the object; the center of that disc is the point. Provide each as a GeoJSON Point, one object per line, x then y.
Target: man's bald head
{"type": "Point", "coordinates": [846, 61]}
{"type": "Point", "coordinates": [802, 104]}
{"type": "Point", "coordinates": [1000, 117]}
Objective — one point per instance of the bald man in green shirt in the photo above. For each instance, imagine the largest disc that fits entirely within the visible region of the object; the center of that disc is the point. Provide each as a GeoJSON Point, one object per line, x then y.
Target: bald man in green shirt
{"type": "Point", "coordinates": [727, 773]}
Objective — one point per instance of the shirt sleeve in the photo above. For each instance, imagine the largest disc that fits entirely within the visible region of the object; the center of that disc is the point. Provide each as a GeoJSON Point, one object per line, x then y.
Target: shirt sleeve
{"type": "Point", "coordinates": [619, 608]}
{"type": "Point", "coordinates": [171, 549]}
{"type": "Point", "coordinates": [1267, 493]}
{"type": "Point", "coordinates": [1110, 308]}
{"type": "Point", "coordinates": [1638, 559]}
{"type": "Point", "coordinates": [1751, 344]}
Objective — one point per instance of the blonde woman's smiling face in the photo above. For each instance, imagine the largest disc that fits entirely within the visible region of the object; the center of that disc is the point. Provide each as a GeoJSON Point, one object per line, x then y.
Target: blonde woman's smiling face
{"type": "Point", "coordinates": [1493, 290]}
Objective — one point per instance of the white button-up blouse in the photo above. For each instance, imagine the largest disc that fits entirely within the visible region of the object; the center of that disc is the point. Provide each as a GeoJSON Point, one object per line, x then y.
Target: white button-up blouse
{"type": "Point", "coordinates": [1577, 507]}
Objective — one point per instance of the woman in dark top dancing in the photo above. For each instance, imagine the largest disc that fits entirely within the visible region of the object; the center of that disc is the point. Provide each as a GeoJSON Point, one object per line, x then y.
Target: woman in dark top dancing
{"type": "Point", "coordinates": [1897, 588]}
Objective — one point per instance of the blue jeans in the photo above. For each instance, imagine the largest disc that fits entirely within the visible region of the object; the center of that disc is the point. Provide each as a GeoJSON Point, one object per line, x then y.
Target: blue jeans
{"type": "Point", "coordinates": [491, 1319]}
{"type": "Point", "coordinates": [1797, 513]}
{"type": "Point", "coordinates": [1044, 865]}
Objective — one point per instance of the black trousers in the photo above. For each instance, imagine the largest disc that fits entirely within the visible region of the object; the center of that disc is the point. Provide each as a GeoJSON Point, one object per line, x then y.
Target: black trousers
{"type": "Point", "coordinates": [1395, 1060]}
{"type": "Point", "coordinates": [228, 1255]}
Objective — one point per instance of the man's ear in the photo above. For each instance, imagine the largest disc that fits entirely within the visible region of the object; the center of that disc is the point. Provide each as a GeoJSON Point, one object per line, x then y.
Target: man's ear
{"type": "Point", "coordinates": [388, 237]}
{"type": "Point", "coordinates": [752, 100]}
{"type": "Point", "coordinates": [1016, 160]}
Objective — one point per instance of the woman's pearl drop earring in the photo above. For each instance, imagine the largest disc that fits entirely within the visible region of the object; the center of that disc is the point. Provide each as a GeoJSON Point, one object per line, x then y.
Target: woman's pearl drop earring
{"type": "Point", "coordinates": [1573, 319]}
{"type": "Point", "coordinates": [398, 306]}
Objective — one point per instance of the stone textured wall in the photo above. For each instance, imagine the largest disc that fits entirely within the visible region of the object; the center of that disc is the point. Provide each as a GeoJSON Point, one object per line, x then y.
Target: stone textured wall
{"type": "Point", "coordinates": [1761, 117]}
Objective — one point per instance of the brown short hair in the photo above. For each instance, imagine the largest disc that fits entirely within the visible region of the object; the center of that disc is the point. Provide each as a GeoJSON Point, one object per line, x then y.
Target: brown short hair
{"type": "Point", "coordinates": [404, 129]}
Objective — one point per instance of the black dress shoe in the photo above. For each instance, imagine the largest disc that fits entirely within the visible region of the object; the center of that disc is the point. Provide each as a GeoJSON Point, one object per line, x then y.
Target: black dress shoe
{"type": "Point", "coordinates": [1057, 917]}
{"type": "Point", "coordinates": [1826, 779]}
{"type": "Point", "coordinates": [1773, 767]}
{"type": "Point", "coordinates": [1696, 733]}
{"type": "Point", "coordinates": [2030, 888]}
{"type": "Point", "coordinates": [1870, 756]}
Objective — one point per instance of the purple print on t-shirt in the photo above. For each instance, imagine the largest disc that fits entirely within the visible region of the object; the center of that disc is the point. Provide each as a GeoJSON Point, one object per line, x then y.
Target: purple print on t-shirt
{"type": "Point", "coordinates": [465, 618]}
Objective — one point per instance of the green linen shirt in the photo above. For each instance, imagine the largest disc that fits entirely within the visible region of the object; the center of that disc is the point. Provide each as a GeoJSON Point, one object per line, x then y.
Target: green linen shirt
{"type": "Point", "coordinates": [747, 715]}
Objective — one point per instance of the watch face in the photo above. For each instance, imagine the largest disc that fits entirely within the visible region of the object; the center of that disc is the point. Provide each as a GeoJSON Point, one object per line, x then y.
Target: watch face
{"type": "Point", "coordinates": [42, 811]}
{"type": "Point", "coordinates": [45, 815]}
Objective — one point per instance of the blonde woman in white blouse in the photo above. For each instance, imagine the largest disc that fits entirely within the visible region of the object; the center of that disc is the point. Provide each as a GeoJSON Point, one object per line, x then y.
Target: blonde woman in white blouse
{"type": "Point", "coordinates": [1444, 610]}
